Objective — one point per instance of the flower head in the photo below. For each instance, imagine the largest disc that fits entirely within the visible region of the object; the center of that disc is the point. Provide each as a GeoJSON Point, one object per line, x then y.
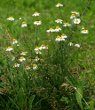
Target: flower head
{"type": "Point", "coordinates": [76, 21]}
{"type": "Point", "coordinates": [9, 49]}
{"type": "Point", "coordinates": [59, 21]}
{"type": "Point", "coordinates": [10, 18]}
{"type": "Point", "coordinates": [59, 5]}
{"type": "Point", "coordinates": [24, 24]}
{"type": "Point", "coordinates": [21, 59]}
{"type": "Point", "coordinates": [37, 23]}
{"type": "Point", "coordinates": [36, 14]}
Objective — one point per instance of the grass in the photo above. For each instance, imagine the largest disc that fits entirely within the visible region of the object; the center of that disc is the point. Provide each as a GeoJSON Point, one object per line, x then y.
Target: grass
{"type": "Point", "coordinates": [62, 77]}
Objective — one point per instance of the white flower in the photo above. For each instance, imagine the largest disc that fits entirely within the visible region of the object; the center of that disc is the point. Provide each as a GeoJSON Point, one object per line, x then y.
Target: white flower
{"type": "Point", "coordinates": [84, 31]}
{"type": "Point", "coordinates": [8, 49]}
{"type": "Point", "coordinates": [27, 67]}
{"type": "Point", "coordinates": [72, 16]}
{"type": "Point", "coordinates": [36, 59]}
{"type": "Point", "coordinates": [70, 44]}
{"type": "Point", "coordinates": [42, 47]}
{"type": "Point", "coordinates": [21, 59]}
{"type": "Point", "coordinates": [76, 21]}
{"type": "Point", "coordinates": [37, 50]}
{"type": "Point", "coordinates": [59, 38]}
{"type": "Point", "coordinates": [59, 21]}
{"type": "Point", "coordinates": [14, 41]}
{"type": "Point", "coordinates": [77, 45]}
{"type": "Point", "coordinates": [59, 5]}
{"type": "Point", "coordinates": [57, 29]}
{"type": "Point", "coordinates": [66, 24]}
{"type": "Point", "coordinates": [50, 30]}
{"type": "Point", "coordinates": [36, 14]}
{"type": "Point", "coordinates": [23, 53]}
{"type": "Point", "coordinates": [10, 18]}
{"type": "Point", "coordinates": [63, 36]}
{"type": "Point", "coordinates": [24, 24]}
{"type": "Point", "coordinates": [75, 13]}
{"type": "Point", "coordinates": [16, 65]}
{"type": "Point", "coordinates": [37, 23]}
{"type": "Point", "coordinates": [35, 66]}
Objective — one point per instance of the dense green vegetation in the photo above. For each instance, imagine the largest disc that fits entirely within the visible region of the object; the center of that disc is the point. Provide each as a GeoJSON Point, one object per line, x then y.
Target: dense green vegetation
{"type": "Point", "coordinates": [47, 59]}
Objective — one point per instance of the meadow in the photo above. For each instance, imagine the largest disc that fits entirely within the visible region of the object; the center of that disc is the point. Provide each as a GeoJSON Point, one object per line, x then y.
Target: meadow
{"type": "Point", "coordinates": [47, 55]}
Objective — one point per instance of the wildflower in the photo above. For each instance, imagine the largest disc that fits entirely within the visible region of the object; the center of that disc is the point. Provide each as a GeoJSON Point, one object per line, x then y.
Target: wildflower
{"type": "Point", "coordinates": [14, 41]}
{"type": "Point", "coordinates": [77, 45]}
{"type": "Point", "coordinates": [72, 16]}
{"type": "Point", "coordinates": [42, 47]}
{"type": "Point", "coordinates": [37, 50]}
{"type": "Point", "coordinates": [59, 38]}
{"type": "Point", "coordinates": [23, 53]}
{"type": "Point", "coordinates": [57, 29]}
{"type": "Point", "coordinates": [35, 66]}
{"type": "Point", "coordinates": [16, 65]}
{"type": "Point", "coordinates": [59, 5]}
{"type": "Point", "coordinates": [10, 18]}
{"type": "Point", "coordinates": [76, 21]}
{"type": "Point", "coordinates": [37, 23]}
{"type": "Point", "coordinates": [84, 31]}
{"type": "Point", "coordinates": [66, 24]}
{"type": "Point", "coordinates": [24, 24]}
{"type": "Point", "coordinates": [20, 18]}
{"type": "Point", "coordinates": [75, 13]}
{"type": "Point", "coordinates": [36, 58]}
{"type": "Point", "coordinates": [36, 14]}
{"type": "Point", "coordinates": [59, 21]}
{"type": "Point", "coordinates": [70, 44]}
{"type": "Point", "coordinates": [50, 30]}
{"type": "Point", "coordinates": [21, 59]}
{"type": "Point", "coordinates": [27, 67]}
{"type": "Point", "coordinates": [63, 36]}
{"type": "Point", "coordinates": [8, 49]}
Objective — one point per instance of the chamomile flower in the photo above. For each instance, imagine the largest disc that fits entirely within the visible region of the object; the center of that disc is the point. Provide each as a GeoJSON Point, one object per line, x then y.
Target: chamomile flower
{"type": "Point", "coordinates": [43, 47]}
{"type": "Point", "coordinates": [59, 21]}
{"type": "Point", "coordinates": [37, 23]}
{"type": "Point", "coordinates": [75, 13]}
{"type": "Point", "coordinates": [57, 29]}
{"type": "Point", "coordinates": [84, 31]}
{"type": "Point", "coordinates": [16, 65]}
{"type": "Point", "coordinates": [59, 5]}
{"type": "Point", "coordinates": [34, 66]}
{"type": "Point", "coordinates": [14, 41]}
{"type": "Point", "coordinates": [72, 16]}
{"type": "Point", "coordinates": [70, 44]}
{"type": "Point", "coordinates": [77, 45]}
{"type": "Point", "coordinates": [9, 49]}
{"type": "Point", "coordinates": [36, 58]}
{"type": "Point", "coordinates": [50, 30]}
{"type": "Point", "coordinates": [36, 14]}
{"type": "Point", "coordinates": [59, 38]}
{"type": "Point", "coordinates": [21, 59]}
{"type": "Point", "coordinates": [63, 36]}
{"type": "Point", "coordinates": [27, 67]}
{"type": "Point", "coordinates": [10, 18]}
{"type": "Point", "coordinates": [66, 24]}
{"type": "Point", "coordinates": [37, 50]}
{"type": "Point", "coordinates": [24, 24]}
{"type": "Point", "coordinates": [23, 53]}
{"type": "Point", "coordinates": [77, 21]}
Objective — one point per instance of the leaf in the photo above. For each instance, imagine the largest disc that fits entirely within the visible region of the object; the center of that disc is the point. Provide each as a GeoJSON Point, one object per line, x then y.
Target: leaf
{"type": "Point", "coordinates": [31, 99]}
{"type": "Point", "coordinates": [79, 96]}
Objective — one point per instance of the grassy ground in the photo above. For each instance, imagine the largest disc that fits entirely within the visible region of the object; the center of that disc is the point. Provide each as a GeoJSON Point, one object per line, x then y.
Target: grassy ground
{"type": "Point", "coordinates": [63, 76]}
